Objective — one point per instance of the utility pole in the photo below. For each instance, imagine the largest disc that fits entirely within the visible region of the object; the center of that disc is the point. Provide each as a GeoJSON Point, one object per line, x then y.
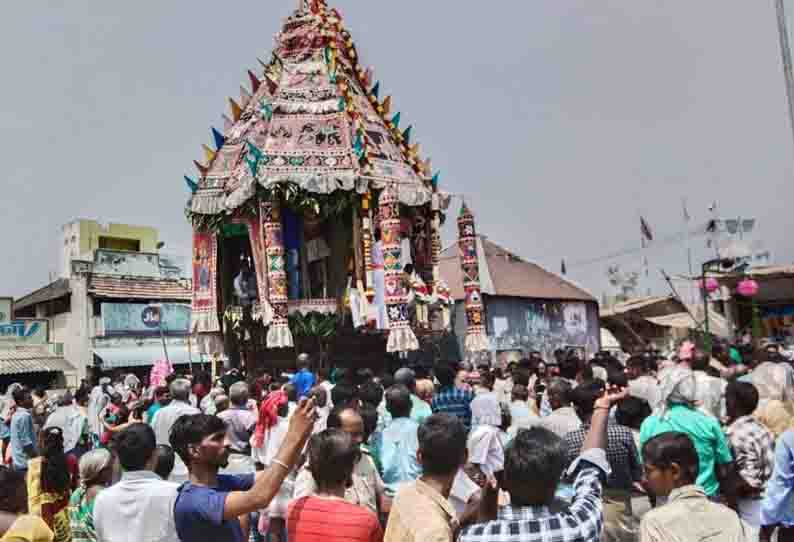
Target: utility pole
{"type": "Point", "coordinates": [785, 50]}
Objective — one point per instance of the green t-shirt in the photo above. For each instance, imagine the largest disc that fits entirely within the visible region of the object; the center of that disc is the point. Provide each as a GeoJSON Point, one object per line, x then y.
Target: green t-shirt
{"type": "Point", "coordinates": [706, 434]}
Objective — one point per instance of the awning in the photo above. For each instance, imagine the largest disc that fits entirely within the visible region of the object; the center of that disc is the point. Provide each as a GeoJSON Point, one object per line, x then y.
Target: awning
{"type": "Point", "coordinates": [32, 359]}
{"type": "Point", "coordinates": [608, 340]}
{"type": "Point", "coordinates": [142, 356]}
{"type": "Point", "coordinates": [718, 325]}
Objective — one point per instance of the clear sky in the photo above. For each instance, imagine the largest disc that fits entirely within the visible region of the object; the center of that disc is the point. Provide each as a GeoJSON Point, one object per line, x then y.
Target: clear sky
{"type": "Point", "coordinates": [561, 121]}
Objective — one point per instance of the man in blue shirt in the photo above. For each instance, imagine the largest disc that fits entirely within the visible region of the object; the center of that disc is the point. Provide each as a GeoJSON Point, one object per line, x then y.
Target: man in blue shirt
{"type": "Point", "coordinates": [304, 380]}
{"type": "Point", "coordinates": [396, 447]}
{"type": "Point", "coordinates": [23, 441]}
{"type": "Point", "coordinates": [450, 399]}
{"type": "Point", "coordinates": [209, 505]}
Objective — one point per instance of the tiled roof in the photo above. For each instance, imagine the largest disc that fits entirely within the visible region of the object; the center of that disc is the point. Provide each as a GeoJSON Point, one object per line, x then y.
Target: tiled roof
{"type": "Point", "coordinates": [138, 288]}
{"type": "Point", "coordinates": [31, 359]}
{"type": "Point", "coordinates": [54, 290]}
{"type": "Point", "coordinates": [511, 276]}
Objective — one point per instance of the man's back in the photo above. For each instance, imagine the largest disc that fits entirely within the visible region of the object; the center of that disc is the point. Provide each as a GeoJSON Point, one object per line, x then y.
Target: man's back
{"type": "Point", "coordinates": [689, 516]}
{"type": "Point", "coordinates": [240, 422]}
{"type": "Point", "coordinates": [561, 421]}
{"type": "Point", "coordinates": [162, 424]}
{"type": "Point", "coordinates": [22, 436]}
{"type": "Point", "coordinates": [396, 448]}
{"type": "Point", "coordinates": [316, 519]}
{"type": "Point", "coordinates": [138, 508]}
{"type": "Point", "coordinates": [419, 513]}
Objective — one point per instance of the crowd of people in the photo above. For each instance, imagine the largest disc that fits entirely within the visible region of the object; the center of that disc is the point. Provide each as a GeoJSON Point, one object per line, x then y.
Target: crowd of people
{"type": "Point", "coordinates": [556, 450]}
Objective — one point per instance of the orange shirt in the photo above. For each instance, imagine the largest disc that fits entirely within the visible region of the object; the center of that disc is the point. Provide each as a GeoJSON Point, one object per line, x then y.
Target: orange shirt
{"type": "Point", "coordinates": [315, 519]}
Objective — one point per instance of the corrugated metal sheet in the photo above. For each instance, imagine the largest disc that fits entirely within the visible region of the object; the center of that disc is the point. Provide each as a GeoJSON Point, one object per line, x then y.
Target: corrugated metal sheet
{"type": "Point", "coordinates": [31, 359]}
{"type": "Point", "coordinates": [138, 288]}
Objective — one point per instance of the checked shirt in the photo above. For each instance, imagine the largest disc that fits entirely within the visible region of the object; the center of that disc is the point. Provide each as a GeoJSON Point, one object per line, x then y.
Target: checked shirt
{"type": "Point", "coordinates": [580, 522]}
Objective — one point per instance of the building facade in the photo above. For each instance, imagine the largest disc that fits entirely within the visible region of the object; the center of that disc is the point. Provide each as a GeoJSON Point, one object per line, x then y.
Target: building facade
{"type": "Point", "coordinates": [118, 304]}
{"type": "Point", "coordinates": [26, 353]}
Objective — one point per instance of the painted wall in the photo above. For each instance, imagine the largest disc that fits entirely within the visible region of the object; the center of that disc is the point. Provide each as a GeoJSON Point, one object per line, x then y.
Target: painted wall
{"type": "Point", "coordinates": [517, 325]}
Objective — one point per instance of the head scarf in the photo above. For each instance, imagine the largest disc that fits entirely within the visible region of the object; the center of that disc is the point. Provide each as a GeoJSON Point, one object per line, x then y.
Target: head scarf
{"type": "Point", "coordinates": [677, 388]}
{"type": "Point", "coordinates": [268, 415]}
{"type": "Point", "coordinates": [774, 381]}
{"type": "Point", "coordinates": [485, 410]}
{"type": "Point", "coordinates": [92, 464]}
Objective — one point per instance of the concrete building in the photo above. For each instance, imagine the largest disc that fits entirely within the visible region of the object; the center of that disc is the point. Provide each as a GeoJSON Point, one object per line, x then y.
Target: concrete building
{"type": "Point", "coordinates": [26, 353]}
{"type": "Point", "coordinates": [118, 303]}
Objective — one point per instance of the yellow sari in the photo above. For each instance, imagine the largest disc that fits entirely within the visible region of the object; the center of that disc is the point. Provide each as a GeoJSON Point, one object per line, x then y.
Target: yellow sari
{"type": "Point", "coordinates": [53, 508]}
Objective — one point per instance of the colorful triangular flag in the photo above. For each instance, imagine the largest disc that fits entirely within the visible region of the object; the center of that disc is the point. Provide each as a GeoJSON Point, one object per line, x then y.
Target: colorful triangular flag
{"type": "Point", "coordinates": [376, 90]}
{"type": "Point", "coordinates": [209, 154]}
{"type": "Point", "coordinates": [191, 184]}
{"type": "Point", "coordinates": [219, 139]}
{"type": "Point", "coordinates": [255, 82]}
{"type": "Point", "coordinates": [237, 111]}
{"type": "Point", "coordinates": [396, 120]}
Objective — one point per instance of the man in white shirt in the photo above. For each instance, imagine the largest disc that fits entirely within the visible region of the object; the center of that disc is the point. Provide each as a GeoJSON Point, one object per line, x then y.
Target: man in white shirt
{"type": "Point", "coordinates": [166, 417]}
{"type": "Point", "coordinates": [563, 418]}
{"type": "Point", "coordinates": [141, 506]}
{"type": "Point", "coordinates": [68, 418]}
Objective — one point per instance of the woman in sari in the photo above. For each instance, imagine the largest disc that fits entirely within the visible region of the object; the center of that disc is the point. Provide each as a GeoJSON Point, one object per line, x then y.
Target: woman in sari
{"type": "Point", "coordinates": [51, 479]}
{"type": "Point", "coordinates": [775, 384]}
{"type": "Point", "coordinates": [678, 413]}
{"type": "Point", "coordinates": [96, 473]}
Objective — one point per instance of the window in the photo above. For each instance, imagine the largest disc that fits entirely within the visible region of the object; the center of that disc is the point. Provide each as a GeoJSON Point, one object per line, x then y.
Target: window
{"type": "Point", "coordinates": [117, 243]}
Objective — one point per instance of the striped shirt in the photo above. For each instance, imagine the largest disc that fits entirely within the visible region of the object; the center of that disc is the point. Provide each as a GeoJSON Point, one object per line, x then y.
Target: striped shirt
{"type": "Point", "coordinates": [315, 519]}
{"type": "Point", "coordinates": [454, 401]}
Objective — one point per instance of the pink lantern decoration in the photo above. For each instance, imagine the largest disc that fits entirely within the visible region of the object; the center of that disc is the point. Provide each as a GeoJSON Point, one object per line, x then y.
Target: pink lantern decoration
{"type": "Point", "coordinates": [747, 288]}
{"type": "Point", "coordinates": [710, 284]}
